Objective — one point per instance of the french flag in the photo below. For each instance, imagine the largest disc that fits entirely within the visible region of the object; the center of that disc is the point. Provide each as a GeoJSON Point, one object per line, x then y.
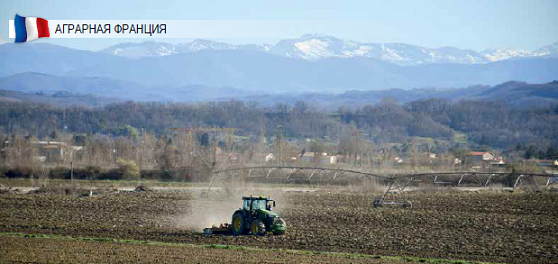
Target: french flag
{"type": "Point", "coordinates": [30, 28]}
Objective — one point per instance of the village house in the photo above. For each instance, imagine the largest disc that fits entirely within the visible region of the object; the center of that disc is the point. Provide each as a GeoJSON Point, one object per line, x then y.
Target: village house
{"type": "Point", "coordinates": [322, 158]}
{"type": "Point", "coordinates": [327, 159]}
{"type": "Point", "coordinates": [479, 156]}
{"type": "Point", "coordinates": [50, 151]}
{"type": "Point", "coordinates": [270, 157]}
{"type": "Point", "coordinates": [498, 162]}
{"type": "Point", "coordinates": [54, 151]}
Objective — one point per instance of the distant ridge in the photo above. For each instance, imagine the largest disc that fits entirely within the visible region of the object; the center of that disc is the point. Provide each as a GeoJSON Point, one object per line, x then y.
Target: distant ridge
{"type": "Point", "coordinates": [320, 46]}
{"type": "Point", "coordinates": [94, 91]}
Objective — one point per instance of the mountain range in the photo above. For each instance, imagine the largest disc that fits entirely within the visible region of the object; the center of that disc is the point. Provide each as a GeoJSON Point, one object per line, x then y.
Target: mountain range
{"type": "Point", "coordinates": [207, 70]}
{"type": "Point", "coordinates": [319, 46]}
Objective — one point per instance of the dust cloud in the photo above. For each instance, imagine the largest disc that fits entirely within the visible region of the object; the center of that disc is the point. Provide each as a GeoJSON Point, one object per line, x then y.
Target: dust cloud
{"type": "Point", "coordinates": [216, 206]}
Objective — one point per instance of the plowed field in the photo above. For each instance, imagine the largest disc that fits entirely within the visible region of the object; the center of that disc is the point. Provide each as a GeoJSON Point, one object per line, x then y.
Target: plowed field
{"type": "Point", "coordinates": [518, 227]}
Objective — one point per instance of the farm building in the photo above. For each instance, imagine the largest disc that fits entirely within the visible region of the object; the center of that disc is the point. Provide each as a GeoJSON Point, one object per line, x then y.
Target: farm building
{"type": "Point", "coordinates": [479, 156]}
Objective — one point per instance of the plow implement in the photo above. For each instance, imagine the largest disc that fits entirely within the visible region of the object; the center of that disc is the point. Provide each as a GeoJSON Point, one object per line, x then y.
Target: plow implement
{"type": "Point", "coordinates": [222, 229]}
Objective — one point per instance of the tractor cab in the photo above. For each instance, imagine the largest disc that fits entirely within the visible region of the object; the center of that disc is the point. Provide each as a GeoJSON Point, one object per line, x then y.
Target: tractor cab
{"type": "Point", "coordinates": [257, 203]}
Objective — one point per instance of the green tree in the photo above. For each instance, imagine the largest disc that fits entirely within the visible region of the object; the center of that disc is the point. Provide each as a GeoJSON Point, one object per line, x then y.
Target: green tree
{"type": "Point", "coordinates": [126, 130]}
{"type": "Point", "coordinates": [128, 168]}
{"type": "Point", "coordinates": [531, 152]}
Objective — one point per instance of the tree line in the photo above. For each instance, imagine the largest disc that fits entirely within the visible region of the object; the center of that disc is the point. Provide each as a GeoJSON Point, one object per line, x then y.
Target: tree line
{"type": "Point", "coordinates": [472, 123]}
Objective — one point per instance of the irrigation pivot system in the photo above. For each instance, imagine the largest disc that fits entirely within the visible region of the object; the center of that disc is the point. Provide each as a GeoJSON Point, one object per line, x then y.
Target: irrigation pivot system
{"type": "Point", "coordinates": [395, 183]}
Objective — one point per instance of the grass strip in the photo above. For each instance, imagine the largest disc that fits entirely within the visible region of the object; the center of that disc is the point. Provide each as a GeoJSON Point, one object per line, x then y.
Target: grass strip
{"type": "Point", "coordinates": [234, 247]}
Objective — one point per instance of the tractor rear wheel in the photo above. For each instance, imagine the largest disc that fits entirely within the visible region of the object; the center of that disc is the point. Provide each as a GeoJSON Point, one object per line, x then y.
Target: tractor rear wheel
{"type": "Point", "coordinates": [257, 228]}
{"type": "Point", "coordinates": [238, 224]}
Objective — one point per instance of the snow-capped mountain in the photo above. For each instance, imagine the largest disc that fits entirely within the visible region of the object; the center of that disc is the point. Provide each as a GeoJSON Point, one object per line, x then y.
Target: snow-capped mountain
{"type": "Point", "coordinates": [202, 44]}
{"type": "Point", "coordinates": [151, 48]}
{"type": "Point", "coordinates": [311, 47]}
{"type": "Point", "coordinates": [504, 54]}
{"type": "Point", "coordinates": [319, 46]}
{"type": "Point", "coordinates": [143, 49]}
{"type": "Point", "coordinates": [550, 50]}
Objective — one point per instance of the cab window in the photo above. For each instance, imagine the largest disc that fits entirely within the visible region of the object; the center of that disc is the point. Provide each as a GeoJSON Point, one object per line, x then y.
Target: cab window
{"type": "Point", "coordinates": [259, 204]}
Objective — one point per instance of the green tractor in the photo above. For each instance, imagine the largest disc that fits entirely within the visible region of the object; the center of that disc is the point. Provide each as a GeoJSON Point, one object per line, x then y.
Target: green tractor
{"type": "Point", "coordinates": [257, 218]}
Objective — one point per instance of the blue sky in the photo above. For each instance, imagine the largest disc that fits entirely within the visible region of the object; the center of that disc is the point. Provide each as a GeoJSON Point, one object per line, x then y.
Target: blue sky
{"type": "Point", "coordinates": [476, 25]}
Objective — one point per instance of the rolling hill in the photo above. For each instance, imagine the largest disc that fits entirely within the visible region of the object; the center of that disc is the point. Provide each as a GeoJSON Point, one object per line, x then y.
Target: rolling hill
{"type": "Point", "coordinates": [95, 91]}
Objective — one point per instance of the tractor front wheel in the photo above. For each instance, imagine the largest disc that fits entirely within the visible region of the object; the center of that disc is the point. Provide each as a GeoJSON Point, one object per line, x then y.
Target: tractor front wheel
{"type": "Point", "coordinates": [257, 227]}
{"type": "Point", "coordinates": [238, 224]}
{"type": "Point", "coordinates": [283, 224]}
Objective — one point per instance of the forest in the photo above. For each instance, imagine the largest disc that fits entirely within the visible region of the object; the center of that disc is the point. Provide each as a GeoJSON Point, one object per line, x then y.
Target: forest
{"type": "Point", "coordinates": [473, 123]}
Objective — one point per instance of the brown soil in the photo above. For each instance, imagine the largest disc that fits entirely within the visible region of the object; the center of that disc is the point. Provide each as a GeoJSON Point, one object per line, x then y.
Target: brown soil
{"type": "Point", "coordinates": [517, 227]}
{"type": "Point", "coordinates": [40, 250]}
